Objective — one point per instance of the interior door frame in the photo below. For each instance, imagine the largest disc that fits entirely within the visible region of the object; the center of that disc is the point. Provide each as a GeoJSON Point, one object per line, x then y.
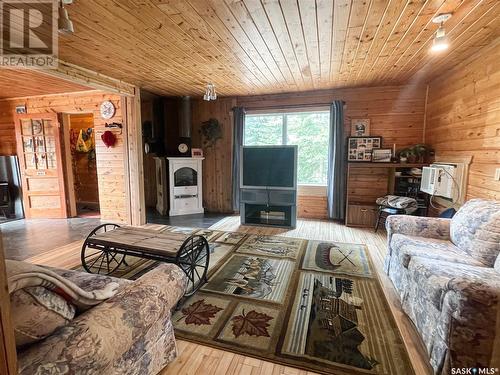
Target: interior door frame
{"type": "Point", "coordinates": [20, 152]}
{"type": "Point", "coordinates": [69, 176]}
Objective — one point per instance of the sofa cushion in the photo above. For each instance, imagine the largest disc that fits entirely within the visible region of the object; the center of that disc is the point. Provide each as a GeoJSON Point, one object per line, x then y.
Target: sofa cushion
{"type": "Point", "coordinates": [475, 229]}
{"type": "Point", "coordinates": [405, 247]}
{"type": "Point", "coordinates": [37, 312]}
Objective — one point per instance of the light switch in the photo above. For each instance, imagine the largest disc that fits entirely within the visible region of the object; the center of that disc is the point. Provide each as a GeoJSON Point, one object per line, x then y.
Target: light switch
{"type": "Point", "coordinates": [497, 174]}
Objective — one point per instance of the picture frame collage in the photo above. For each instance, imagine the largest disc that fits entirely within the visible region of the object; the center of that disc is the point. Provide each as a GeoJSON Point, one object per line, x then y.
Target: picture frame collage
{"type": "Point", "coordinates": [360, 149]}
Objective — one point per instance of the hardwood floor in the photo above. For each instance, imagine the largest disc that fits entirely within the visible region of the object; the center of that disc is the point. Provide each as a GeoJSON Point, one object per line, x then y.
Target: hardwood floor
{"type": "Point", "coordinates": [199, 359]}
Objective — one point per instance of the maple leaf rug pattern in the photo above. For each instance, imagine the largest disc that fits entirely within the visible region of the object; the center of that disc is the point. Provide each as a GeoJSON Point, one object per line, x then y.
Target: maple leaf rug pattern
{"type": "Point", "coordinates": [315, 305]}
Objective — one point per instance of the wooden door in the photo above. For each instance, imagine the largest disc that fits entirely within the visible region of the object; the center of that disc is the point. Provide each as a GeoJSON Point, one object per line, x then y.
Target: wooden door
{"type": "Point", "coordinates": [39, 152]}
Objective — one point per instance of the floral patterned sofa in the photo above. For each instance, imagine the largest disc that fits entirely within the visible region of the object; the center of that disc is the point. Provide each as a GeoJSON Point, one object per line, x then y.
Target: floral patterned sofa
{"type": "Point", "coordinates": [447, 274]}
{"type": "Point", "coordinates": [129, 333]}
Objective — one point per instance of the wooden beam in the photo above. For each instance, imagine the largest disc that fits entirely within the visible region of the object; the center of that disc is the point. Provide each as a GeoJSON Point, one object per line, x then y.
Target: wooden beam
{"type": "Point", "coordinates": [8, 357]}
{"type": "Point", "coordinates": [73, 73]}
{"type": "Point", "coordinates": [134, 159]}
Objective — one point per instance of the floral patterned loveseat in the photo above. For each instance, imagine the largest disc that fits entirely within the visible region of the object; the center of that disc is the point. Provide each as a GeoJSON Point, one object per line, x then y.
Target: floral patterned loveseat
{"type": "Point", "coordinates": [447, 274]}
{"type": "Point", "coordinates": [129, 333]}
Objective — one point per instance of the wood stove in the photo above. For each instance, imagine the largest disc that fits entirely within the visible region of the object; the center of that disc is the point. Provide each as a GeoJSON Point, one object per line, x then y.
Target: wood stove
{"type": "Point", "coordinates": [185, 182]}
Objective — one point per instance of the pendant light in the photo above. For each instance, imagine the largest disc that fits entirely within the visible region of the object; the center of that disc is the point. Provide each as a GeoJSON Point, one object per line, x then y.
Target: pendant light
{"type": "Point", "coordinates": [65, 25]}
{"type": "Point", "coordinates": [210, 93]}
{"type": "Point", "coordinates": [440, 42]}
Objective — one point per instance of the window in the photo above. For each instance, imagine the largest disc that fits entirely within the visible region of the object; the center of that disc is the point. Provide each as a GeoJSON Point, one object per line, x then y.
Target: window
{"type": "Point", "coordinates": [308, 130]}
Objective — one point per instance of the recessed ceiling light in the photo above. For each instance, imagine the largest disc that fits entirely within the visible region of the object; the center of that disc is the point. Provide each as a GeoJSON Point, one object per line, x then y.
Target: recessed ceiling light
{"type": "Point", "coordinates": [440, 42]}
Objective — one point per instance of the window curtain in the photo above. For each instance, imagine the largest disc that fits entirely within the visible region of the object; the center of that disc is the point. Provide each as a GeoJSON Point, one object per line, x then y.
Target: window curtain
{"type": "Point", "coordinates": [337, 164]}
{"type": "Point", "coordinates": [239, 120]}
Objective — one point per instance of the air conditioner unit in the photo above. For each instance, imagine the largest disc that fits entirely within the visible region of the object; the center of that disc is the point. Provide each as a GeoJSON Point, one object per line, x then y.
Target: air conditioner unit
{"type": "Point", "coordinates": [429, 180]}
{"type": "Point", "coordinates": [437, 179]}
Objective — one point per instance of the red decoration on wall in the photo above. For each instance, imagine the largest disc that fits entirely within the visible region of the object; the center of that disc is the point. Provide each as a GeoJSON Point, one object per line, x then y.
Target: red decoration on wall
{"type": "Point", "coordinates": [108, 138]}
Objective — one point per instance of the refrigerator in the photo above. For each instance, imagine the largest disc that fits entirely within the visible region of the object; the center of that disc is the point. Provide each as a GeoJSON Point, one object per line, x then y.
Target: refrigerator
{"type": "Point", "coordinates": [10, 173]}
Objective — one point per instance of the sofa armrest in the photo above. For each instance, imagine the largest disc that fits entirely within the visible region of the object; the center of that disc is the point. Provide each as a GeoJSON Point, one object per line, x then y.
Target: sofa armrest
{"type": "Point", "coordinates": [480, 286]}
{"type": "Point", "coordinates": [429, 227]}
{"type": "Point", "coordinates": [98, 338]}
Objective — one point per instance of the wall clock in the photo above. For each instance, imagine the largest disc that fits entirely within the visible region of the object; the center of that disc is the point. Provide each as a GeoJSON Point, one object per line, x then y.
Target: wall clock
{"type": "Point", "coordinates": [107, 109]}
{"type": "Point", "coordinates": [183, 148]}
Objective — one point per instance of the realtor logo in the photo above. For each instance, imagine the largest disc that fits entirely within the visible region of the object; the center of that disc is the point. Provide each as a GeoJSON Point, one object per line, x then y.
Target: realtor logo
{"type": "Point", "coordinates": [29, 34]}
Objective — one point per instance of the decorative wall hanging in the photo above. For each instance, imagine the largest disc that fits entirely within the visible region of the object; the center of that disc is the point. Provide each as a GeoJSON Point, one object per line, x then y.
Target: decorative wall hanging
{"type": "Point", "coordinates": [21, 109]}
{"type": "Point", "coordinates": [360, 148]}
{"type": "Point", "coordinates": [108, 138]}
{"type": "Point", "coordinates": [211, 132]}
{"type": "Point", "coordinates": [360, 127]}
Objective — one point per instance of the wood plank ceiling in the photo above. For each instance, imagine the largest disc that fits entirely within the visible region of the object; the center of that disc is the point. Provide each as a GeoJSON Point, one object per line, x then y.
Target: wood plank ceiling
{"type": "Point", "coordinates": [245, 47]}
{"type": "Point", "coordinates": [20, 83]}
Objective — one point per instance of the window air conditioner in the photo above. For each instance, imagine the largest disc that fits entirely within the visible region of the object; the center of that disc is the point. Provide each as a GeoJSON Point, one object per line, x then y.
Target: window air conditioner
{"type": "Point", "coordinates": [437, 179]}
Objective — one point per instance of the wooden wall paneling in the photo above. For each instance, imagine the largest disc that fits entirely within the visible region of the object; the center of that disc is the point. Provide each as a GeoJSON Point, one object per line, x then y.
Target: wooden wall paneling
{"type": "Point", "coordinates": [312, 207]}
{"type": "Point", "coordinates": [217, 166]}
{"type": "Point", "coordinates": [8, 356]}
{"type": "Point", "coordinates": [396, 114]}
{"type": "Point", "coordinates": [134, 156]}
{"type": "Point", "coordinates": [110, 161]}
{"type": "Point", "coordinates": [463, 119]}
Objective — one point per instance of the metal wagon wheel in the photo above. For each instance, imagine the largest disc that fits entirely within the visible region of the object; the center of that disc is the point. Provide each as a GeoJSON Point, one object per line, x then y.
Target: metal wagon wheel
{"type": "Point", "coordinates": [100, 259]}
{"type": "Point", "coordinates": [193, 257]}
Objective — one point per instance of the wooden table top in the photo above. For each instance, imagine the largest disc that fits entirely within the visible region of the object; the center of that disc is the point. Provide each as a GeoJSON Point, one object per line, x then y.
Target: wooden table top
{"type": "Point", "coordinates": [140, 239]}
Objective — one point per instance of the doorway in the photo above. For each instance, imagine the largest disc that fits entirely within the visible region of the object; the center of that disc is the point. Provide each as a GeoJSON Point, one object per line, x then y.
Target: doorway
{"type": "Point", "coordinates": [81, 167]}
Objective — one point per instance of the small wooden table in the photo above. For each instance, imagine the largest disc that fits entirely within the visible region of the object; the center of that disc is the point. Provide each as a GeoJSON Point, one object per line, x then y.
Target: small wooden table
{"type": "Point", "coordinates": [106, 247]}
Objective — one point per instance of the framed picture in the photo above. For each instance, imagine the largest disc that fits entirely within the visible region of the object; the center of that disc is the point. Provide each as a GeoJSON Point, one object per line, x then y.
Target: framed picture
{"type": "Point", "coordinates": [21, 109]}
{"type": "Point", "coordinates": [360, 127]}
{"type": "Point", "coordinates": [360, 149]}
{"type": "Point", "coordinates": [382, 155]}
{"type": "Point", "coordinates": [196, 152]}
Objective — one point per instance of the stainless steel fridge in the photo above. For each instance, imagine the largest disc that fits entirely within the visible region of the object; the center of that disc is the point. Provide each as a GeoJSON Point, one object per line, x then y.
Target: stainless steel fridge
{"type": "Point", "coordinates": [10, 174]}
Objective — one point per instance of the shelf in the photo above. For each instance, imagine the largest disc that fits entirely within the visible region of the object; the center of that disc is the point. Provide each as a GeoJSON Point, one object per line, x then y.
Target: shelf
{"type": "Point", "coordinates": [386, 165]}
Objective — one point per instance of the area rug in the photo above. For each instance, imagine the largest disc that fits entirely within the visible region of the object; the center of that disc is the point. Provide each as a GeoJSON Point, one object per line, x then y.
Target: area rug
{"type": "Point", "coordinates": [315, 305]}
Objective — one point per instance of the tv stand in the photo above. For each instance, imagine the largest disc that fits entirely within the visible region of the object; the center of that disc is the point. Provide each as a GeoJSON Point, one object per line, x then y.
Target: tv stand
{"type": "Point", "coordinates": [268, 207]}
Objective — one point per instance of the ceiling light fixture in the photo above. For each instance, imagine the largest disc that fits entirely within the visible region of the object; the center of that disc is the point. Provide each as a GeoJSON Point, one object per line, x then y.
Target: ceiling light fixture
{"type": "Point", "coordinates": [440, 42]}
{"type": "Point", "coordinates": [65, 25]}
{"type": "Point", "coordinates": [210, 93]}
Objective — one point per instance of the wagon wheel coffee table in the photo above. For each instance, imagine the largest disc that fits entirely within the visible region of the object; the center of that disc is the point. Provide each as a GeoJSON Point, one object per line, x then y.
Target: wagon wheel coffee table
{"type": "Point", "coordinates": [106, 247]}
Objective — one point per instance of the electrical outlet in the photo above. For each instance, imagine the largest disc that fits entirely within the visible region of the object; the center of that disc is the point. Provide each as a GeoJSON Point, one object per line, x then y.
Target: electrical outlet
{"type": "Point", "coordinates": [497, 174]}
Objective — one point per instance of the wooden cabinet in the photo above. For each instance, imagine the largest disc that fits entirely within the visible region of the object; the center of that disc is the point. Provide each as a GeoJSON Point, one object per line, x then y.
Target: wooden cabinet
{"type": "Point", "coordinates": [361, 215]}
{"type": "Point", "coordinates": [365, 183]}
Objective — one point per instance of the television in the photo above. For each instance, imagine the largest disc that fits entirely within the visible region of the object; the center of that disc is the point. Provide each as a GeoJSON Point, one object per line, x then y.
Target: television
{"type": "Point", "coordinates": [273, 167]}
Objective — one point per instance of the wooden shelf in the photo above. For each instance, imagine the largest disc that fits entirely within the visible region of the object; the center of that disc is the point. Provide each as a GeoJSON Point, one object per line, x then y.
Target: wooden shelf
{"type": "Point", "coordinates": [386, 165]}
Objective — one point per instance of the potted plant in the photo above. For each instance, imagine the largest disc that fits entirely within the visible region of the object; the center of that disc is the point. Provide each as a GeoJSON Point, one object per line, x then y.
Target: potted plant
{"type": "Point", "coordinates": [418, 153]}
{"type": "Point", "coordinates": [406, 155]}
{"type": "Point", "coordinates": [211, 131]}
{"type": "Point", "coordinates": [422, 152]}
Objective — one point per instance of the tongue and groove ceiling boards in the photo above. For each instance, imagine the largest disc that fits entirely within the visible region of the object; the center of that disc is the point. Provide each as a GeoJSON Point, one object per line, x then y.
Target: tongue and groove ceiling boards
{"type": "Point", "coordinates": [17, 83]}
{"type": "Point", "coordinates": [244, 47]}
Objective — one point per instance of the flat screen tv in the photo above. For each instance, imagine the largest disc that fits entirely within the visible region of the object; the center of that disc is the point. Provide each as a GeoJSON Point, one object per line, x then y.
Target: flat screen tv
{"type": "Point", "coordinates": [269, 167]}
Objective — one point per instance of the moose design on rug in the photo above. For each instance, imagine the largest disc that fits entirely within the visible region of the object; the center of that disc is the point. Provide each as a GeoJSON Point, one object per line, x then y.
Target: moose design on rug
{"type": "Point", "coordinates": [252, 277]}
